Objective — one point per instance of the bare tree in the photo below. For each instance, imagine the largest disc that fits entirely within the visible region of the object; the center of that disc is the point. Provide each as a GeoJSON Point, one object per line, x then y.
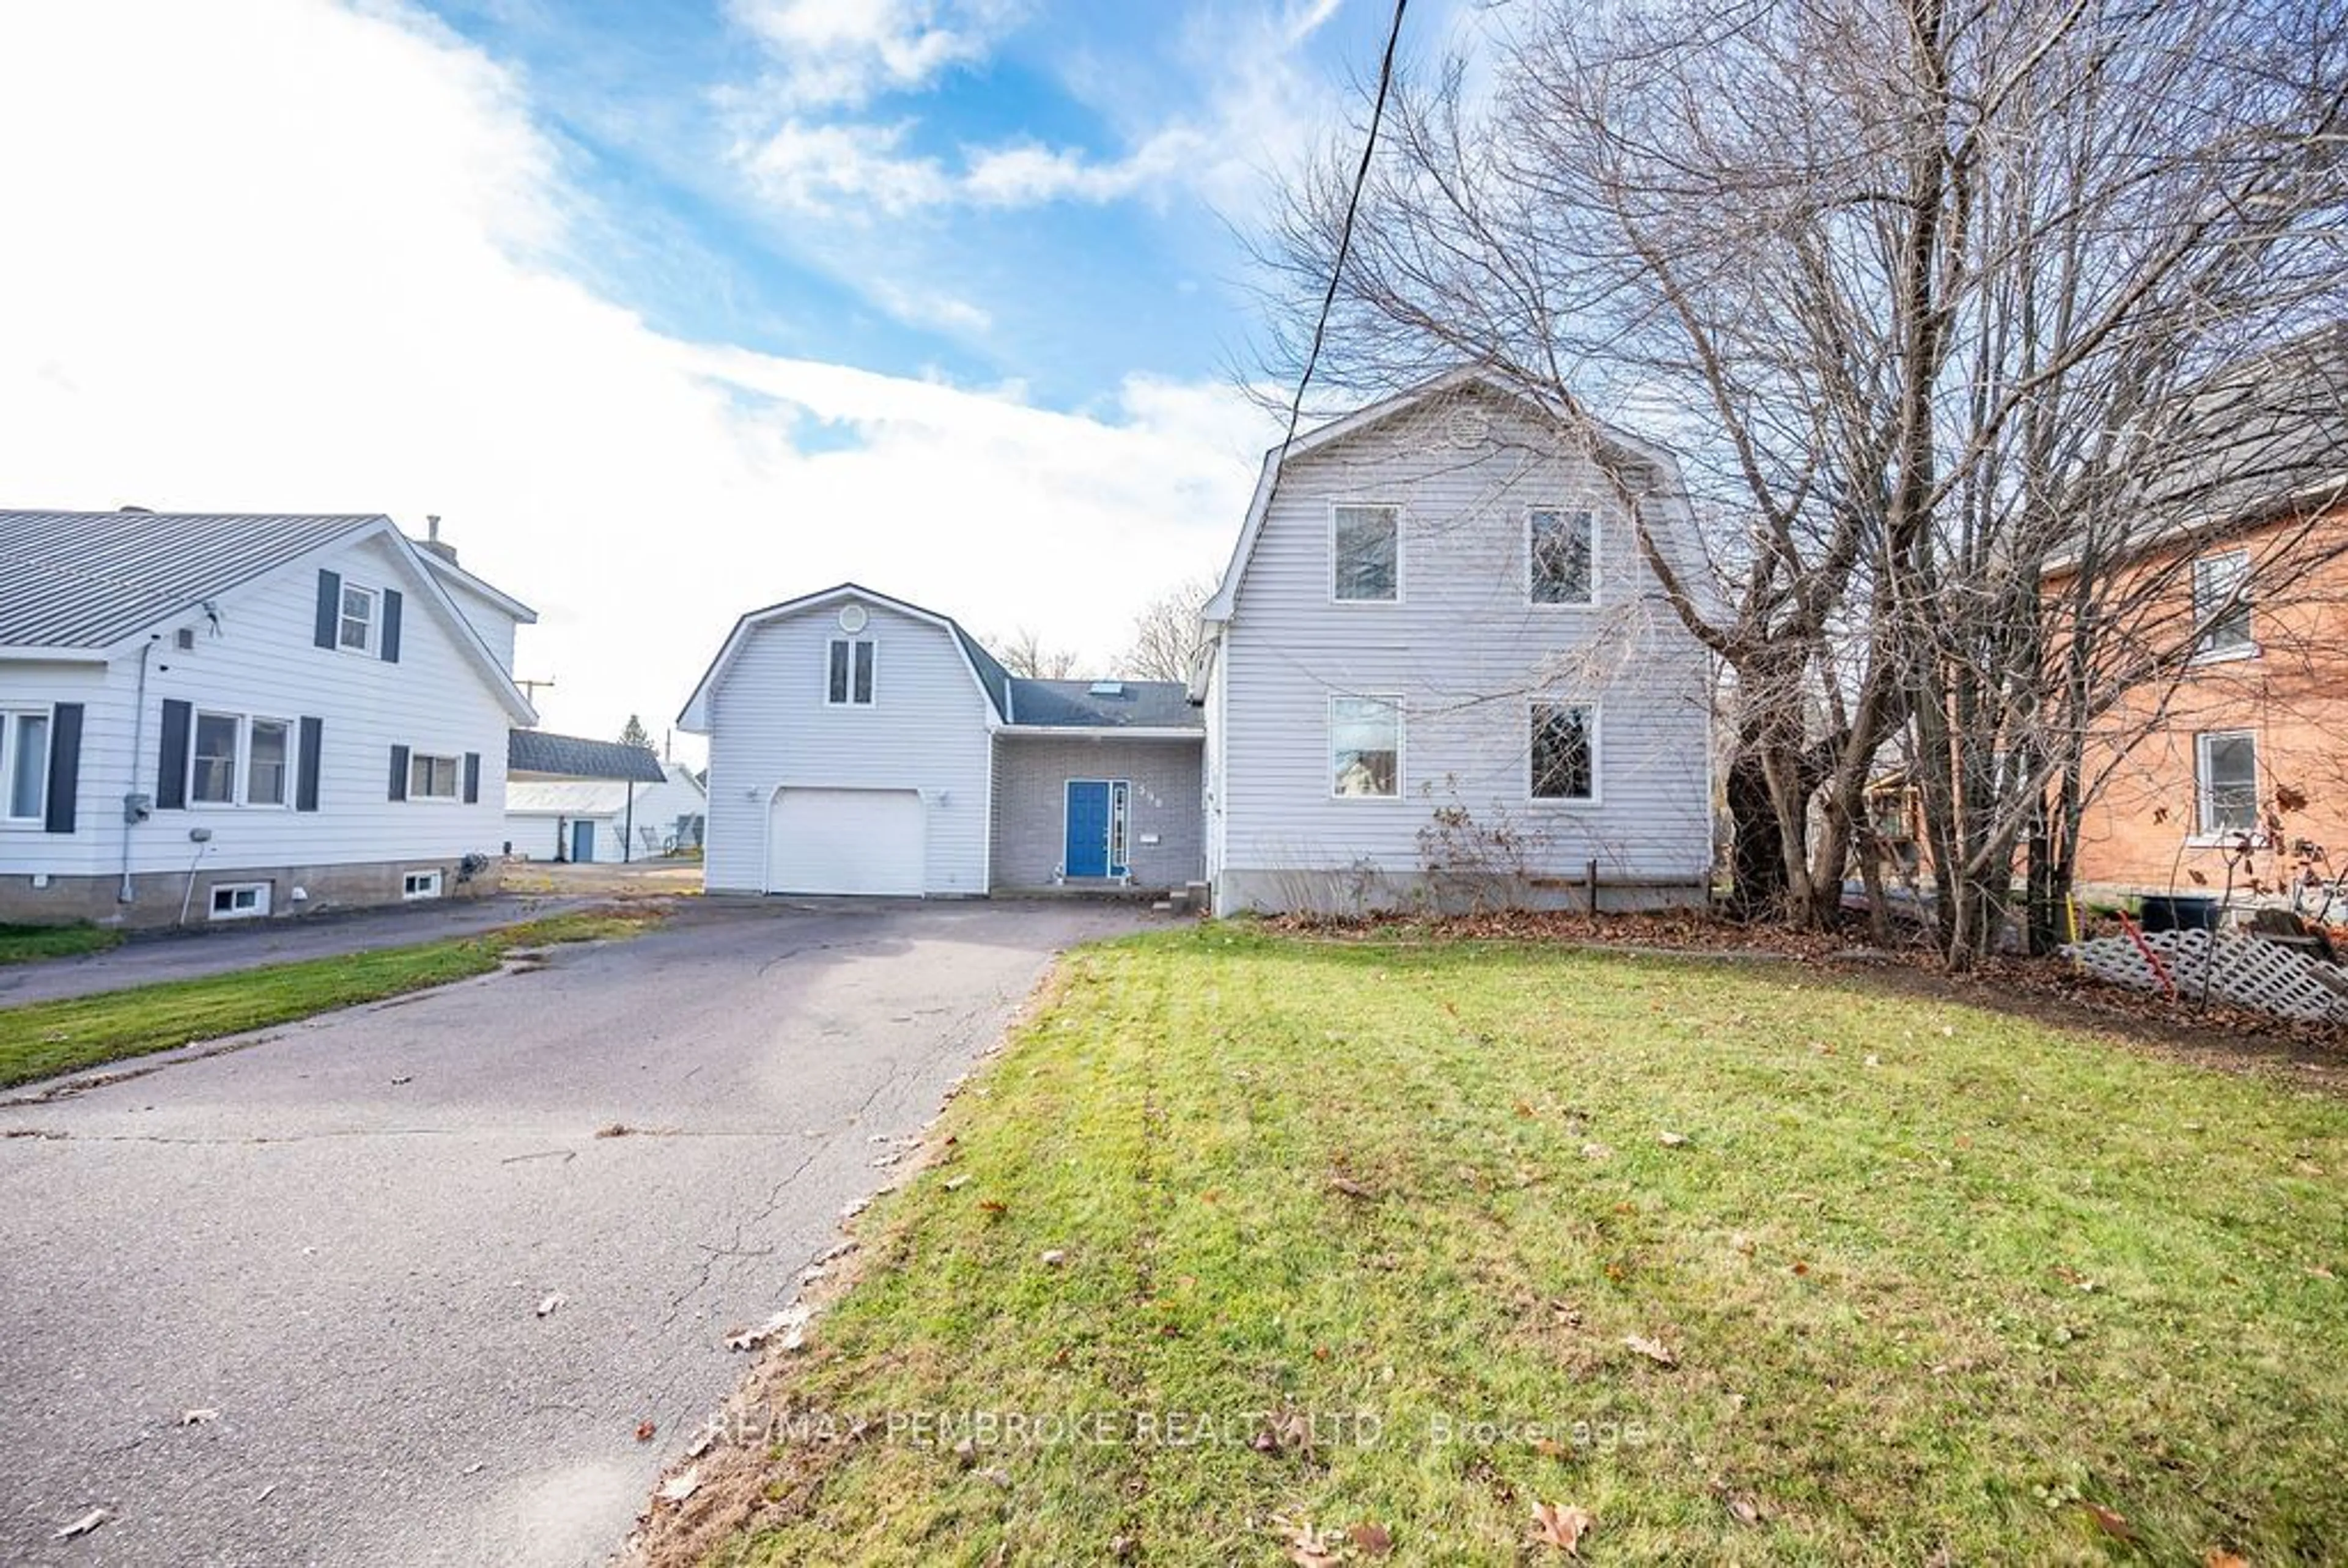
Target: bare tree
{"type": "Point", "coordinates": [1166, 632]}
{"type": "Point", "coordinates": [1025, 654]}
{"type": "Point", "coordinates": [1919, 291]}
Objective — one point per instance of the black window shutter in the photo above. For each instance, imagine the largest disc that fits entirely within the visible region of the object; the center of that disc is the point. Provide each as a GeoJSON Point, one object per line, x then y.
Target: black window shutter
{"type": "Point", "coordinates": [391, 626]}
{"type": "Point", "coordinates": [65, 766]}
{"type": "Point", "coordinates": [399, 772]}
{"type": "Point", "coordinates": [171, 763]}
{"type": "Point", "coordinates": [472, 778]}
{"type": "Point", "coordinates": [305, 780]}
{"type": "Point", "coordinates": [329, 607]}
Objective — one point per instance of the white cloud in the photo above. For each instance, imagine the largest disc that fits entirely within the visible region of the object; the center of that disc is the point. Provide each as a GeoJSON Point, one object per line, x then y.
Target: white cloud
{"type": "Point", "coordinates": [308, 258]}
{"type": "Point", "coordinates": [846, 168]}
{"type": "Point", "coordinates": [1232, 107]}
{"type": "Point", "coordinates": [847, 52]}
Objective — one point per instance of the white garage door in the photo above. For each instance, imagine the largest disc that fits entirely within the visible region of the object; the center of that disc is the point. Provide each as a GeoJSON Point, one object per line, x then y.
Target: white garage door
{"type": "Point", "coordinates": [846, 841]}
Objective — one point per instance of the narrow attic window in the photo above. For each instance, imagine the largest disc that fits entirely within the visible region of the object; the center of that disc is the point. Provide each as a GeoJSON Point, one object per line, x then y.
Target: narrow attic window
{"type": "Point", "coordinates": [848, 673]}
{"type": "Point", "coordinates": [1108, 689]}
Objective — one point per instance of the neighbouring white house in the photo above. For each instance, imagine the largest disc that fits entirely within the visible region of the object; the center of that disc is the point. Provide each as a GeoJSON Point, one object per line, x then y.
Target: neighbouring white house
{"type": "Point", "coordinates": [570, 798]}
{"type": "Point", "coordinates": [861, 745]}
{"type": "Point", "coordinates": [1439, 666]}
{"type": "Point", "coordinates": [209, 717]}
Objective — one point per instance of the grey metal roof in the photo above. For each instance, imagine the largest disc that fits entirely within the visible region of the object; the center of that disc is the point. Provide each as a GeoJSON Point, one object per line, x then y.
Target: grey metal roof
{"type": "Point", "coordinates": [575, 756]}
{"type": "Point", "coordinates": [1076, 705]}
{"type": "Point", "coordinates": [88, 579]}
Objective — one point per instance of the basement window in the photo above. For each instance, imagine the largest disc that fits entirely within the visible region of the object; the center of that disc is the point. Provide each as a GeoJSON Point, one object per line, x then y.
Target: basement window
{"type": "Point", "coordinates": [239, 900]}
{"type": "Point", "coordinates": [420, 884]}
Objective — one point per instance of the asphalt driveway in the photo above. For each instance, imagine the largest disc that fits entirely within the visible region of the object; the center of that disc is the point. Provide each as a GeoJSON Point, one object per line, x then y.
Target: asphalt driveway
{"type": "Point", "coordinates": [337, 1238]}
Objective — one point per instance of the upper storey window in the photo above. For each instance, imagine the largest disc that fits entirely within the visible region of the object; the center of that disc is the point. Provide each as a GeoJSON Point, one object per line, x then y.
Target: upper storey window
{"type": "Point", "coordinates": [1365, 554]}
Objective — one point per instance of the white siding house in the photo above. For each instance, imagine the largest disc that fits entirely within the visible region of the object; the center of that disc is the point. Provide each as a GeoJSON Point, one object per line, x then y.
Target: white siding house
{"type": "Point", "coordinates": [602, 820]}
{"type": "Point", "coordinates": [1437, 663]}
{"type": "Point", "coordinates": [861, 745]}
{"type": "Point", "coordinates": [849, 749]}
{"type": "Point", "coordinates": [222, 717]}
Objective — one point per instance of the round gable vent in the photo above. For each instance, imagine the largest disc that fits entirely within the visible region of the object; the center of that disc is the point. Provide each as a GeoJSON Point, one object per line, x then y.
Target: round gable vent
{"type": "Point", "coordinates": [852, 618]}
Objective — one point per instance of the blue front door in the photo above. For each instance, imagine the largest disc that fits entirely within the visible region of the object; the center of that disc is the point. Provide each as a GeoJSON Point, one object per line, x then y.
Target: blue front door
{"type": "Point", "coordinates": [582, 841]}
{"type": "Point", "coordinates": [1087, 848]}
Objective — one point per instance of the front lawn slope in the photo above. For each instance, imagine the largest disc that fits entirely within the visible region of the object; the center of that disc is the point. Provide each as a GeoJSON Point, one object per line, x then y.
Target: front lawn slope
{"type": "Point", "coordinates": [1940, 1284]}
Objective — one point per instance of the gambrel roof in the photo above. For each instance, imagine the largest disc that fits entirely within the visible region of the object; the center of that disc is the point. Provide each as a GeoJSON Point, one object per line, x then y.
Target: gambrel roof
{"type": "Point", "coordinates": [1475, 376]}
{"type": "Point", "coordinates": [994, 681]}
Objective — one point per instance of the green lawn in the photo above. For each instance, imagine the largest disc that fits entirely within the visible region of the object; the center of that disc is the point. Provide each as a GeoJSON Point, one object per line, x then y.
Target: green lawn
{"type": "Point", "coordinates": [41, 1040]}
{"type": "Point", "coordinates": [1940, 1284]}
{"type": "Point", "coordinates": [22, 944]}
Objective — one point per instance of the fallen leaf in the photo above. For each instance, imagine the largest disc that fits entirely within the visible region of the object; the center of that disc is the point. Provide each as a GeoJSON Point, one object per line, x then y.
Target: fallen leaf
{"type": "Point", "coordinates": [2217, 1557]}
{"type": "Point", "coordinates": [1372, 1540]}
{"type": "Point", "coordinates": [1744, 1510]}
{"type": "Point", "coordinates": [614, 1130]}
{"type": "Point", "coordinates": [1566, 1313]}
{"type": "Point", "coordinates": [992, 1205]}
{"type": "Point", "coordinates": [1309, 1548]}
{"type": "Point", "coordinates": [1671, 1140]}
{"type": "Point", "coordinates": [398, 1082]}
{"type": "Point", "coordinates": [1350, 1187]}
{"type": "Point", "coordinates": [2109, 1522]}
{"type": "Point", "coordinates": [1800, 1267]}
{"type": "Point", "coordinates": [1561, 1527]}
{"type": "Point", "coordinates": [677, 1487]}
{"type": "Point", "coordinates": [1550, 1448]}
{"type": "Point", "coordinates": [1654, 1350]}
{"type": "Point", "coordinates": [84, 1525]}
{"type": "Point", "coordinates": [701, 1442]}
{"type": "Point", "coordinates": [2320, 1272]}
{"type": "Point", "coordinates": [198, 1418]}
{"type": "Point", "coordinates": [546, 1307]}
{"type": "Point", "coordinates": [1596, 1152]}
{"type": "Point", "coordinates": [644, 1430]}
{"type": "Point", "coordinates": [790, 1323]}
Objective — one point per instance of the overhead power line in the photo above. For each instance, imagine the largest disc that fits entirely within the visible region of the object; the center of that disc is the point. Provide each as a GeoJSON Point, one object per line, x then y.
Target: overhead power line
{"type": "Point", "coordinates": [1345, 233]}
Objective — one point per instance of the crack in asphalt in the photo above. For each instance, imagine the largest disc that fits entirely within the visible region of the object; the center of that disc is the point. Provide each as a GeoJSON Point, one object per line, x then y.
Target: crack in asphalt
{"type": "Point", "coordinates": [61, 1134]}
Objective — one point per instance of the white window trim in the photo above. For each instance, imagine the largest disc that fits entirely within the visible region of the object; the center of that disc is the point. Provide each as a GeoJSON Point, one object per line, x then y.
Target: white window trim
{"type": "Point", "coordinates": [1402, 755]}
{"type": "Point", "coordinates": [2248, 647]}
{"type": "Point", "coordinates": [288, 784]}
{"type": "Point", "coordinates": [409, 889]}
{"type": "Point", "coordinates": [260, 910]}
{"type": "Point", "coordinates": [1597, 575]}
{"type": "Point", "coordinates": [373, 621]}
{"type": "Point", "coordinates": [1597, 795]}
{"type": "Point", "coordinates": [834, 641]}
{"type": "Point", "coordinates": [1402, 525]}
{"type": "Point", "coordinates": [8, 717]}
{"type": "Point", "coordinates": [456, 794]}
{"type": "Point", "coordinates": [2205, 837]}
{"type": "Point", "coordinates": [240, 774]}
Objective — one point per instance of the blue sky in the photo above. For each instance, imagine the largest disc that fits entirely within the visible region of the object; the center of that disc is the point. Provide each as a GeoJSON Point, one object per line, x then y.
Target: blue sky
{"type": "Point", "coordinates": [670, 311]}
{"type": "Point", "coordinates": [829, 178]}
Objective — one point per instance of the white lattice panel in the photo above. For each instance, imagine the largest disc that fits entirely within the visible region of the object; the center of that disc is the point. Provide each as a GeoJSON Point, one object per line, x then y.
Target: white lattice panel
{"type": "Point", "coordinates": [2237, 969]}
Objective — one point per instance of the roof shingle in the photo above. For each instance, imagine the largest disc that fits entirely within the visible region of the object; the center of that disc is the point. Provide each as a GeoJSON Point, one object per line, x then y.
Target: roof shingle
{"type": "Point", "coordinates": [575, 756]}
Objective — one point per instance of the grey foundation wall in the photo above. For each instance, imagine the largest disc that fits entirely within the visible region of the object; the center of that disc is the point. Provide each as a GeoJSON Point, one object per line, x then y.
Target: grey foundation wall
{"type": "Point", "coordinates": [1031, 778]}
{"type": "Point", "coordinates": [158, 896]}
